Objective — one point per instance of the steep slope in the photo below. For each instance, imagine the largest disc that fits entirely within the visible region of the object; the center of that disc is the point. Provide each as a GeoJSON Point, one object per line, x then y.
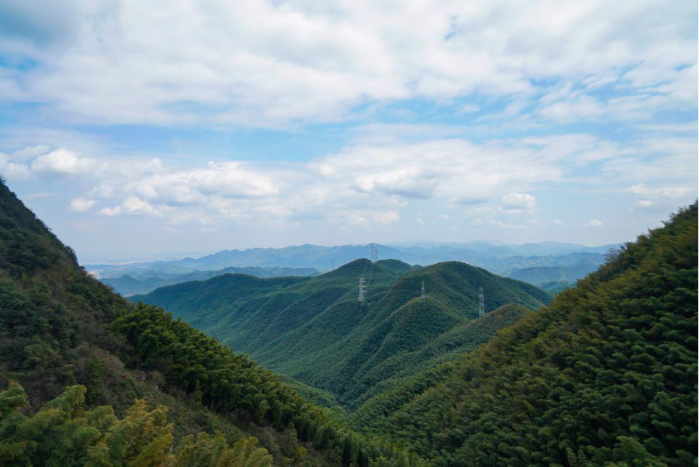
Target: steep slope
{"type": "Point", "coordinates": [315, 330]}
{"type": "Point", "coordinates": [606, 375]}
{"type": "Point", "coordinates": [428, 368]}
{"type": "Point", "coordinates": [65, 336]}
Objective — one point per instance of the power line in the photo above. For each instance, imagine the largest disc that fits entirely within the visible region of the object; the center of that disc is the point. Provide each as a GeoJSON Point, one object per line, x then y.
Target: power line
{"type": "Point", "coordinates": [481, 302]}
{"type": "Point", "coordinates": [367, 272]}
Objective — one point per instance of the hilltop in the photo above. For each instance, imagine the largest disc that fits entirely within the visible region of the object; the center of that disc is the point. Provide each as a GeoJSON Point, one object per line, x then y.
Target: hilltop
{"type": "Point", "coordinates": [315, 330]}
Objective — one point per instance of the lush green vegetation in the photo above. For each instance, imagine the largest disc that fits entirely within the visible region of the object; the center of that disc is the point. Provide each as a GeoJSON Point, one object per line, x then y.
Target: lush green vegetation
{"type": "Point", "coordinates": [314, 329]}
{"type": "Point", "coordinates": [426, 371]}
{"type": "Point", "coordinates": [59, 329]}
{"type": "Point", "coordinates": [606, 375]}
{"type": "Point", "coordinates": [63, 433]}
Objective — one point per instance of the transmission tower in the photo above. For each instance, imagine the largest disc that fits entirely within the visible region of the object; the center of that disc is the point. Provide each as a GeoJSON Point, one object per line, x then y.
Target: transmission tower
{"type": "Point", "coordinates": [373, 253]}
{"type": "Point", "coordinates": [481, 302]}
{"type": "Point", "coordinates": [422, 292]}
{"type": "Point", "coordinates": [362, 290]}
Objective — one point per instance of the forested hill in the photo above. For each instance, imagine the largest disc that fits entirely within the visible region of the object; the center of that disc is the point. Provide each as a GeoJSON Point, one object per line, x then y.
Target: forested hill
{"type": "Point", "coordinates": [316, 331]}
{"type": "Point", "coordinates": [79, 356]}
{"type": "Point", "coordinates": [146, 281]}
{"type": "Point", "coordinates": [606, 375]}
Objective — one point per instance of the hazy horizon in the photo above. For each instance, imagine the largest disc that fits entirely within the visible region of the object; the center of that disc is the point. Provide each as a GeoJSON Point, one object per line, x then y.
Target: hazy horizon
{"type": "Point", "coordinates": [177, 255]}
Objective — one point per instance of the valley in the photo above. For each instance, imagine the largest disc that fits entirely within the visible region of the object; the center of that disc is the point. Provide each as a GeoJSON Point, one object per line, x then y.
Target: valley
{"type": "Point", "coordinates": [316, 331]}
{"type": "Point", "coordinates": [410, 376]}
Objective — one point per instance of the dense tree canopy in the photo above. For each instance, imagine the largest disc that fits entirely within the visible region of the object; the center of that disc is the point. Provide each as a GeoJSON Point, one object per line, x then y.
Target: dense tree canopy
{"type": "Point", "coordinates": [606, 375]}
{"type": "Point", "coordinates": [61, 328]}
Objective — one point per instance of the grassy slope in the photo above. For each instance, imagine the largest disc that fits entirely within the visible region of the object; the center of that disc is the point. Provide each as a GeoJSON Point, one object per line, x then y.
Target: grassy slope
{"type": "Point", "coordinates": [607, 373]}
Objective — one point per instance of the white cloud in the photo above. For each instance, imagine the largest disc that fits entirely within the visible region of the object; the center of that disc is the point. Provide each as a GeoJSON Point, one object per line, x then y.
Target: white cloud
{"type": "Point", "coordinates": [81, 204]}
{"type": "Point", "coordinates": [30, 152]}
{"type": "Point", "coordinates": [444, 217]}
{"type": "Point", "coordinates": [365, 183]}
{"type": "Point", "coordinates": [662, 196]}
{"type": "Point", "coordinates": [386, 218]}
{"type": "Point", "coordinates": [593, 223]}
{"type": "Point", "coordinates": [63, 162]}
{"type": "Point", "coordinates": [111, 211]}
{"type": "Point", "coordinates": [351, 218]}
{"type": "Point", "coordinates": [298, 61]}
{"type": "Point", "coordinates": [12, 170]}
{"type": "Point", "coordinates": [419, 222]}
{"type": "Point", "coordinates": [454, 169]}
{"type": "Point", "coordinates": [517, 203]}
{"type": "Point", "coordinates": [476, 222]}
{"type": "Point", "coordinates": [503, 225]}
{"type": "Point", "coordinates": [133, 206]}
{"type": "Point", "coordinates": [557, 222]}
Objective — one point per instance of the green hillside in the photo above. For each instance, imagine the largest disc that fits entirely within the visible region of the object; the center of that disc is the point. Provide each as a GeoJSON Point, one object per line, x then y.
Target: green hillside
{"type": "Point", "coordinates": [606, 375]}
{"type": "Point", "coordinates": [81, 358]}
{"type": "Point", "coordinates": [315, 330]}
{"type": "Point", "coordinates": [428, 368]}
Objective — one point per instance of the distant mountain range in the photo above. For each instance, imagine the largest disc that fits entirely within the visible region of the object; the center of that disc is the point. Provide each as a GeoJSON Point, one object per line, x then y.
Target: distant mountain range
{"type": "Point", "coordinates": [542, 275]}
{"type": "Point", "coordinates": [497, 258]}
{"type": "Point", "coordinates": [147, 280]}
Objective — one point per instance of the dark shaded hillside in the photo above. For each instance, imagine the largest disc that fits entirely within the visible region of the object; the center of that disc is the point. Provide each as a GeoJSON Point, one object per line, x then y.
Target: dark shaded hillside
{"type": "Point", "coordinates": [606, 375]}
{"type": "Point", "coordinates": [315, 330]}
{"type": "Point", "coordinates": [67, 337]}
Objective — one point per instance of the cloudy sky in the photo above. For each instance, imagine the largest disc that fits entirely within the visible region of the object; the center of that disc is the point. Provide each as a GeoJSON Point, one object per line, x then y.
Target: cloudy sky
{"type": "Point", "coordinates": [138, 129]}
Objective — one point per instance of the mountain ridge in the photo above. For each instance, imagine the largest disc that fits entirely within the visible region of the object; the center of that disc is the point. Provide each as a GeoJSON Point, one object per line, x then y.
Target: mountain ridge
{"type": "Point", "coordinates": [315, 330]}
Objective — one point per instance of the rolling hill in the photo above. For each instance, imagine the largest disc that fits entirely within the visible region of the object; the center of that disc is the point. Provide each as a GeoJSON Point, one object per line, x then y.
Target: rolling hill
{"type": "Point", "coordinates": [315, 331]}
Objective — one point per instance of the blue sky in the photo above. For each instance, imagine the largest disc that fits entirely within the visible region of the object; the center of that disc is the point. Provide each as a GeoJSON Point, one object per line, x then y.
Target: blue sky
{"type": "Point", "coordinates": [142, 129]}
